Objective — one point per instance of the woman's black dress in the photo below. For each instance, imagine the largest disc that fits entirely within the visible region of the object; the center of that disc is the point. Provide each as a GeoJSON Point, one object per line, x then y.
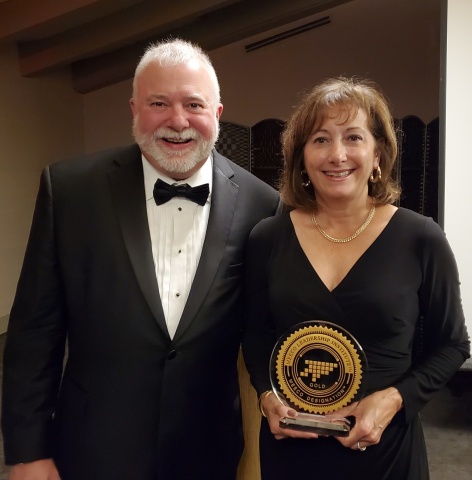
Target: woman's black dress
{"type": "Point", "coordinates": [407, 273]}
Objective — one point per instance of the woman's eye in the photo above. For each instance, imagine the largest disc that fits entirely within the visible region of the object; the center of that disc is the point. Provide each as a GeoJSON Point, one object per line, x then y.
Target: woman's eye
{"type": "Point", "coordinates": [319, 140]}
{"type": "Point", "coordinates": [355, 138]}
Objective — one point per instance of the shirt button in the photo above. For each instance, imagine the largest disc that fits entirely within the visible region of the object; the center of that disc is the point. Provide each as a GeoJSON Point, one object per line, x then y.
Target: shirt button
{"type": "Point", "coordinates": [177, 294]}
{"type": "Point", "coordinates": [172, 354]}
{"type": "Point", "coordinates": [180, 209]}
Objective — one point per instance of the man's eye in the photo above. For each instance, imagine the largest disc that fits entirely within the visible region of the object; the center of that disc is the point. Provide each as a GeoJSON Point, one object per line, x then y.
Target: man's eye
{"type": "Point", "coordinates": [194, 106]}
{"type": "Point", "coordinates": [157, 104]}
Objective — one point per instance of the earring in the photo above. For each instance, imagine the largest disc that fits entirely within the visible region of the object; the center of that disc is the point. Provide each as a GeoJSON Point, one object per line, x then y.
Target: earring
{"type": "Point", "coordinates": [378, 174]}
{"type": "Point", "coordinates": [308, 182]}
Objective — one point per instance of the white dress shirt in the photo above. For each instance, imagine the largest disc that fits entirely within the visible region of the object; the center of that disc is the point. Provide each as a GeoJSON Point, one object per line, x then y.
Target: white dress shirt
{"type": "Point", "coordinates": [177, 229]}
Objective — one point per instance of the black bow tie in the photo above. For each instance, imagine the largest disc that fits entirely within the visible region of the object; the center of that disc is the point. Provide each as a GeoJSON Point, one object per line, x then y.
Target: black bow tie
{"type": "Point", "coordinates": [163, 192]}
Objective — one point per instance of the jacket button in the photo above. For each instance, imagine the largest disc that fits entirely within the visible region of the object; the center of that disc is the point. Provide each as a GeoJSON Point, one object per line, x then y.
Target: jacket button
{"type": "Point", "coordinates": [172, 354]}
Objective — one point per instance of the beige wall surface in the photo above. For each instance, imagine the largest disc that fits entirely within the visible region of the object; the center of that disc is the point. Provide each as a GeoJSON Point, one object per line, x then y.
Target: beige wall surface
{"type": "Point", "coordinates": [40, 122]}
{"type": "Point", "coordinates": [397, 46]}
{"type": "Point", "coordinates": [108, 117]}
{"type": "Point", "coordinates": [458, 154]}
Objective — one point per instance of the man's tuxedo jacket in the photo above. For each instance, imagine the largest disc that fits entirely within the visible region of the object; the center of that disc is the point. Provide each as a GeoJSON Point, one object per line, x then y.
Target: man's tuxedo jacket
{"type": "Point", "coordinates": [131, 404]}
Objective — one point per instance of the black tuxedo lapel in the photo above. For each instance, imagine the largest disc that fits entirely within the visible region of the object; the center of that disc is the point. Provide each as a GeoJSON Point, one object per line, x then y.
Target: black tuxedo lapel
{"type": "Point", "coordinates": [223, 203]}
{"type": "Point", "coordinates": [127, 186]}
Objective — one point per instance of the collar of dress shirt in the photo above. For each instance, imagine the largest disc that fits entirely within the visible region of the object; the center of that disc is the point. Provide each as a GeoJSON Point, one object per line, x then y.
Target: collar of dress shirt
{"type": "Point", "coordinates": [202, 175]}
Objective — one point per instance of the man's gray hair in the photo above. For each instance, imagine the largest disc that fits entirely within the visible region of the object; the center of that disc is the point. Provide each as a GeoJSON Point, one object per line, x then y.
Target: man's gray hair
{"type": "Point", "coordinates": [173, 52]}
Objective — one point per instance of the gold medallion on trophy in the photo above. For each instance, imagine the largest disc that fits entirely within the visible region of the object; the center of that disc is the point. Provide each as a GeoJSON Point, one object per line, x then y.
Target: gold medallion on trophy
{"type": "Point", "coordinates": [317, 368]}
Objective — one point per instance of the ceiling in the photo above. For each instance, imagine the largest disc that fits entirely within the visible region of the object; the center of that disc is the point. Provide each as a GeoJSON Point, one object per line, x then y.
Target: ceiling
{"type": "Point", "coordinates": [102, 40]}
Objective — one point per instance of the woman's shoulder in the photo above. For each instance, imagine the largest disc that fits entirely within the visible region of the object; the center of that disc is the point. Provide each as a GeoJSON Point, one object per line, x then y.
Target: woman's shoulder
{"type": "Point", "coordinates": [412, 218]}
{"type": "Point", "coordinates": [418, 225]}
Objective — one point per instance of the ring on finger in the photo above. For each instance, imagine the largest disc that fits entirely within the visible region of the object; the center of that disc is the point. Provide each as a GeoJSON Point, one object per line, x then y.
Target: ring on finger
{"type": "Point", "coordinates": [361, 449]}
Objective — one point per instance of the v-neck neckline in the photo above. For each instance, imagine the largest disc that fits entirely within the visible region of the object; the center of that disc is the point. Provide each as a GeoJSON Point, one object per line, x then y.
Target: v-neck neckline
{"type": "Point", "coordinates": [354, 265]}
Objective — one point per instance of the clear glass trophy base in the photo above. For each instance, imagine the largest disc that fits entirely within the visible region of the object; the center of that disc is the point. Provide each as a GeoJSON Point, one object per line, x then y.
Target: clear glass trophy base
{"type": "Point", "coordinates": [307, 422]}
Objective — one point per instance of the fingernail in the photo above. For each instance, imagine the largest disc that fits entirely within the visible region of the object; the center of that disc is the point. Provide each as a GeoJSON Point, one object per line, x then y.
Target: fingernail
{"type": "Point", "coordinates": [292, 413]}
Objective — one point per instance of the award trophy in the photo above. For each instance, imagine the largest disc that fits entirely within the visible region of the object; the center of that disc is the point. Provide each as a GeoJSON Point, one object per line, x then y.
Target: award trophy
{"type": "Point", "coordinates": [316, 368]}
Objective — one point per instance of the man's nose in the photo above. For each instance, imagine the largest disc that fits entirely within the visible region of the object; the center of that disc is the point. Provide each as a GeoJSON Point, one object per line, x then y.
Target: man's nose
{"type": "Point", "coordinates": [178, 118]}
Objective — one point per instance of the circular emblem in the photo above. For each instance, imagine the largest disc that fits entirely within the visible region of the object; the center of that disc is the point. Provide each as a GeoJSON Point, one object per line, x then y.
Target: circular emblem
{"type": "Point", "coordinates": [317, 367]}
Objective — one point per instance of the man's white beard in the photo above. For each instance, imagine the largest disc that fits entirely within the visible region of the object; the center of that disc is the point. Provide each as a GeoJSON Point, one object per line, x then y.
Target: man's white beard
{"type": "Point", "coordinates": [170, 160]}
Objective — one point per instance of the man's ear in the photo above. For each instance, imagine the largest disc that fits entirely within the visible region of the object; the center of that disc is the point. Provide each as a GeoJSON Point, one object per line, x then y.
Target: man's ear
{"type": "Point", "coordinates": [219, 111]}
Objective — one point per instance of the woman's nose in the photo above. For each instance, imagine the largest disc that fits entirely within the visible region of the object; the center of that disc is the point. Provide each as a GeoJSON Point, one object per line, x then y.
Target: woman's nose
{"type": "Point", "coordinates": [338, 152]}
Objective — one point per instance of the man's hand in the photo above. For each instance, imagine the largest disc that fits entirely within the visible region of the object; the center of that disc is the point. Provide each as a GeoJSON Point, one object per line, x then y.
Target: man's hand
{"type": "Point", "coordinates": [38, 470]}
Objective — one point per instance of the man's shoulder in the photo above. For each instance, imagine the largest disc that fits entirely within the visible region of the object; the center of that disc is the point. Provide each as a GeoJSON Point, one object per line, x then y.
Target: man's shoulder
{"type": "Point", "coordinates": [244, 178]}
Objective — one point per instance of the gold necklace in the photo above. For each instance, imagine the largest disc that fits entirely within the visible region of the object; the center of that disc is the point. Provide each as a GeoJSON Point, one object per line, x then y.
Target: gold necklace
{"type": "Point", "coordinates": [353, 236]}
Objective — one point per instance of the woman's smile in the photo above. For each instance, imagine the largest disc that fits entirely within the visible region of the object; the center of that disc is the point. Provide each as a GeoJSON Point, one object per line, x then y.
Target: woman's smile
{"type": "Point", "coordinates": [338, 174]}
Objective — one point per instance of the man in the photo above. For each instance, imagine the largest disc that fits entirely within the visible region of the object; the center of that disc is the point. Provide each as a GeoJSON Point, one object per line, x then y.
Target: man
{"type": "Point", "coordinates": [146, 285]}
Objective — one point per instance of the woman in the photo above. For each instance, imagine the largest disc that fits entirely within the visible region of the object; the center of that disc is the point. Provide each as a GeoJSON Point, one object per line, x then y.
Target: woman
{"type": "Point", "coordinates": [344, 253]}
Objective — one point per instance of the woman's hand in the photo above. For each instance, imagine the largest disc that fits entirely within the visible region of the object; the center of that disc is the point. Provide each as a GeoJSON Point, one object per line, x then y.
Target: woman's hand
{"type": "Point", "coordinates": [373, 413]}
{"type": "Point", "coordinates": [274, 411]}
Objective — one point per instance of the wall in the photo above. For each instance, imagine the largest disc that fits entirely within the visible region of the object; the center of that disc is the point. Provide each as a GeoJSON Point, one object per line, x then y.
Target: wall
{"type": "Point", "coordinates": [108, 117]}
{"type": "Point", "coordinates": [458, 154]}
{"type": "Point", "coordinates": [396, 45]}
{"type": "Point", "coordinates": [40, 122]}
